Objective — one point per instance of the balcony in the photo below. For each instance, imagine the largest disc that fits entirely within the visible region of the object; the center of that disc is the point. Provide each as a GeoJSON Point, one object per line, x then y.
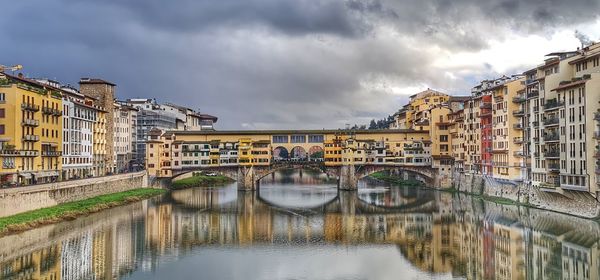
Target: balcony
{"type": "Point", "coordinates": [551, 137]}
{"type": "Point", "coordinates": [536, 154]}
{"type": "Point", "coordinates": [597, 135]}
{"type": "Point", "coordinates": [30, 122]}
{"type": "Point", "coordinates": [518, 99]}
{"type": "Point", "coordinates": [536, 109]}
{"type": "Point", "coordinates": [31, 138]}
{"type": "Point", "coordinates": [20, 153]}
{"type": "Point", "coordinates": [554, 167]}
{"type": "Point", "coordinates": [551, 121]}
{"type": "Point", "coordinates": [518, 113]}
{"type": "Point", "coordinates": [30, 107]}
{"type": "Point", "coordinates": [51, 111]}
{"type": "Point", "coordinates": [536, 123]}
{"type": "Point", "coordinates": [518, 140]}
{"type": "Point", "coordinates": [51, 153]}
{"type": "Point", "coordinates": [519, 154]}
{"type": "Point", "coordinates": [552, 154]}
{"type": "Point", "coordinates": [485, 113]}
{"type": "Point", "coordinates": [485, 106]}
{"type": "Point", "coordinates": [533, 94]}
{"type": "Point", "coordinates": [553, 105]}
{"type": "Point", "coordinates": [517, 126]}
{"type": "Point", "coordinates": [597, 116]}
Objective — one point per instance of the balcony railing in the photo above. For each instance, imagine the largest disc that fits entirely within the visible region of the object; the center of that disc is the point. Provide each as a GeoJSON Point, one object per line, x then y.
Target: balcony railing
{"type": "Point", "coordinates": [597, 116]}
{"type": "Point", "coordinates": [519, 154]}
{"type": "Point", "coordinates": [518, 113]}
{"type": "Point", "coordinates": [551, 137]}
{"type": "Point", "coordinates": [553, 104]}
{"type": "Point", "coordinates": [552, 154]}
{"type": "Point", "coordinates": [30, 107]}
{"type": "Point", "coordinates": [536, 123]}
{"type": "Point", "coordinates": [30, 122]}
{"type": "Point", "coordinates": [517, 126]}
{"type": "Point", "coordinates": [597, 135]}
{"type": "Point", "coordinates": [554, 167]}
{"type": "Point", "coordinates": [551, 121]}
{"type": "Point", "coordinates": [534, 93]}
{"type": "Point", "coordinates": [485, 106]}
{"type": "Point", "coordinates": [536, 108]}
{"type": "Point", "coordinates": [22, 153]}
{"type": "Point", "coordinates": [519, 99]}
{"type": "Point", "coordinates": [32, 138]}
{"type": "Point", "coordinates": [51, 111]}
{"type": "Point", "coordinates": [518, 140]}
{"type": "Point", "coordinates": [51, 153]}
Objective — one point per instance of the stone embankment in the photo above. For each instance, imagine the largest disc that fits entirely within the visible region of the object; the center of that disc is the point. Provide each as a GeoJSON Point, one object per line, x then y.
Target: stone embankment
{"type": "Point", "coordinates": [22, 199]}
{"type": "Point", "coordinates": [569, 202]}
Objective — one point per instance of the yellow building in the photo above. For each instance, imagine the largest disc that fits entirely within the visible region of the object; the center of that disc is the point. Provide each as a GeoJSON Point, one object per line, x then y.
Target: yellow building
{"type": "Point", "coordinates": [421, 103]}
{"type": "Point", "coordinates": [30, 131]}
{"type": "Point", "coordinates": [457, 136]}
{"type": "Point", "coordinates": [196, 149]}
{"type": "Point", "coordinates": [99, 145]}
{"type": "Point", "coordinates": [507, 130]}
{"type": "Point", "coordinates": [439, 130]}
{"type": "Point", "coordinates": [333, 151]}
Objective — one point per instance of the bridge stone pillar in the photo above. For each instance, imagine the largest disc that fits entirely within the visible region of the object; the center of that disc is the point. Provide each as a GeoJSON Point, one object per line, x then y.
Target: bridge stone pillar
{"type": "Point", "coordinates": [246, 180]}
{"type": "Point", "coordinates": [348, 180]}
{"type": "Point", "coordinates": [348, 202]}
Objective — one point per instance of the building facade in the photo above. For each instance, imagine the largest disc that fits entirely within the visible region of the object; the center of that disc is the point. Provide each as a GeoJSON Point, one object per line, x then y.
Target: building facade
{"type": "Point", "coordinates": [30, 131]}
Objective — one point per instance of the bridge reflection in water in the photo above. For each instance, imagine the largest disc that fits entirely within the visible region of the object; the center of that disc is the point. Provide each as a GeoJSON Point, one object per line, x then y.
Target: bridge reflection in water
{"type": "Point", "coordinates": [436, 233]}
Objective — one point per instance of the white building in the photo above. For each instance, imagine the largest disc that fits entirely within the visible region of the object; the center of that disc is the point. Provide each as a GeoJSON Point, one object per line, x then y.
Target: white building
{"type": "Point", "coordinates": [125, 119]}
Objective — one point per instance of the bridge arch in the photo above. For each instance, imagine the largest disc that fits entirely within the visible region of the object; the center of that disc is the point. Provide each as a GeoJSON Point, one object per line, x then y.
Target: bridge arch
{"type": "Point", "coordinates": [298, 153]}
{"type": "Point", "coordinates": [424, 174]}
{"type": "Point", "coordinates": [315, 153]}
{"type": "Point", "coordinates": [280, 153]}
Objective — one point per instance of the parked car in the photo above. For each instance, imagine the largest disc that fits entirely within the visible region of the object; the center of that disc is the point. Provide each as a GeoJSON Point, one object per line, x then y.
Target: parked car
{"type": "Point", "coordinates": [212, 174]}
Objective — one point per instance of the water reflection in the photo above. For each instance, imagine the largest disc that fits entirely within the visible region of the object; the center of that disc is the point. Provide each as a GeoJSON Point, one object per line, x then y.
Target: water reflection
{"type": "Point", "coordinates": [300, 227]}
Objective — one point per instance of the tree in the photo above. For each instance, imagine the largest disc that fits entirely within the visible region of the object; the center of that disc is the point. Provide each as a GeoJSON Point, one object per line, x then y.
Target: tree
{"type": "Point", "coordinates": [373, 125]}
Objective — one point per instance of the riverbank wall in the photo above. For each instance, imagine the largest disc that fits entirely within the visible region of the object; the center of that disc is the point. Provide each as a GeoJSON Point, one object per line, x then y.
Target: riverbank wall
{"type": "Point", "coordinates": [22, 199]}
{"type": "Point", "coordinates": [568, 202]}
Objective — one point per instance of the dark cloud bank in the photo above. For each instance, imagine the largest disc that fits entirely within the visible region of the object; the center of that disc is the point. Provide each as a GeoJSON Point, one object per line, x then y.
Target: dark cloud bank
{"type": "Point", "coordinates": [269, 63]}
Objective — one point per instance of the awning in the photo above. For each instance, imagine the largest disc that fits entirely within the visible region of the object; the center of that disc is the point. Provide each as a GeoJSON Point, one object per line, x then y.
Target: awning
{"type": "Point", "coordinates": [25, 175]}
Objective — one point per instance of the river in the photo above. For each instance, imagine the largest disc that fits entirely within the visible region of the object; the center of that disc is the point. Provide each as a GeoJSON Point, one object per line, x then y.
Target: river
{"type": "Point", "coordinates": [298, 226]}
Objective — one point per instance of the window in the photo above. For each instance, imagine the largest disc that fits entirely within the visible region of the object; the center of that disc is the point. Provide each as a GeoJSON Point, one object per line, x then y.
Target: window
{"type": "Point", "coordinates": [2, 113]}
{"type": "Point", "coordinates": [315, 138]}
{"type": "Point", "coordinates": [298, 138]}
{"type": "Point", "coordinates": [280, 139]}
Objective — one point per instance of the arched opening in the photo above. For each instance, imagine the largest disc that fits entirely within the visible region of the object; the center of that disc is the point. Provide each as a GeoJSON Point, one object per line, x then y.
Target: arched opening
{"type": "Point", "coordinates": [280, 153]}
{"type": "Point", "coordinates": [298, 154]}
{"type": "Point", "coordinates": [315, 153]}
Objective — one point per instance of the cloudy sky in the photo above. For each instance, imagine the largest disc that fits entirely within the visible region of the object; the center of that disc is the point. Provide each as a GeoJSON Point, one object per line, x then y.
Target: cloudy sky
{"type": "Point", "coordinates": [288, 63]}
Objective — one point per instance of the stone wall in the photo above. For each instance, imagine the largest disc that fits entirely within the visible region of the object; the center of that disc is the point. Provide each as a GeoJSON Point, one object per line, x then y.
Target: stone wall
{"type": "Point", "coordinates": [23, 199]}
{"type": "Point", "coordinates": [569, 202]}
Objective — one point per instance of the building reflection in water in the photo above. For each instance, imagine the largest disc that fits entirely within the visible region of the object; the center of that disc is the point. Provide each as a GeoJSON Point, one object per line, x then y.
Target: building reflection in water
{"type": "Point", "coordinates": [435, 232]}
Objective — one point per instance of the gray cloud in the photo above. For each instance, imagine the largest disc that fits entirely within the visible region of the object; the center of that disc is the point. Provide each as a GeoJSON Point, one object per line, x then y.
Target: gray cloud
{"type": "Point", "coordinates": [269, 63]}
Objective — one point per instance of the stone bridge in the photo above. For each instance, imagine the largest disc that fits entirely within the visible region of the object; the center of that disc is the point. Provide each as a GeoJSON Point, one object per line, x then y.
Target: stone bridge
{"type": "Point", "coordinates": [344, 202]}
{"type": "Point", "coordinates": [248, 177]}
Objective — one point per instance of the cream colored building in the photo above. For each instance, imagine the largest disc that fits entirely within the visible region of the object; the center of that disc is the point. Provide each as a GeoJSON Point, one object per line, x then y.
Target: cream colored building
{"type": "Point", "coordinates": [563, 100]}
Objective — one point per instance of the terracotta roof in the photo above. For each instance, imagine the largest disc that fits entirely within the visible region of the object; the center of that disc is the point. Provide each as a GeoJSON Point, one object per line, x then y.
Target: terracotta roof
{"type": "Point", "coordinates": [314, 131]}
{"type": "Point", "coordinates": [571, 84]}
{"type": "Point", "coordinates": [459, 98]}
{"type": "Point", "coordinates": [94, 81]}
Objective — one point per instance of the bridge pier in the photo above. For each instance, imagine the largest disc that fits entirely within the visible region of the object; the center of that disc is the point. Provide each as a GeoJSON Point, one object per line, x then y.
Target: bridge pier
{"type": "Point", "coordinates": [347, 179]}
{"type": "Point", "coordinates": [246, 178]}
